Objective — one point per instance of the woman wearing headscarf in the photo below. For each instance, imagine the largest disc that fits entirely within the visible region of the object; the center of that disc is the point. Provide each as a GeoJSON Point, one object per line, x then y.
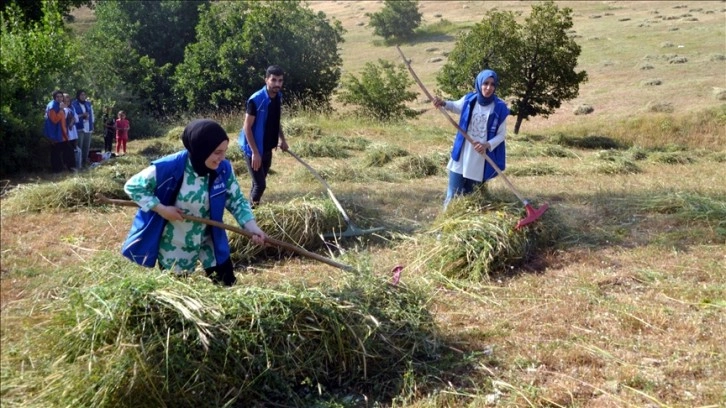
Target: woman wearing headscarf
{"type": "Point", "coordinates": [483, 116]}
{"type": "Point", "coordinates": [197, 181]}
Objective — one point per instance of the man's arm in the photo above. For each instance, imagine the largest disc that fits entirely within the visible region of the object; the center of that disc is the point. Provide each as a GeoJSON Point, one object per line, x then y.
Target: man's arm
{"type": "Point", "coordinates": [281, 140]}
{"type": "Point", "coordinates": [249, 136]}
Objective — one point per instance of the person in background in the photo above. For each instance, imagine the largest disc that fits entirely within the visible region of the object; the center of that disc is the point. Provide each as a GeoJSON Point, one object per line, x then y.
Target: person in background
{"type": "Point", "coordinates": [483, 116]}
{"type": "Point", "coordinates": [196, 181]}
{"type": "Point", "coordinates": [122, 132]}
{"type": "Point", "coordinates": [109, 130]}
{"type": "Point", "coordinates": [73, 152]}
{"type": "Point", "coordinates": [83, 108]}
{"type": "Point", "coordinates": [262, 131]}
{"type": "Point", "coordinates": [54, 128]}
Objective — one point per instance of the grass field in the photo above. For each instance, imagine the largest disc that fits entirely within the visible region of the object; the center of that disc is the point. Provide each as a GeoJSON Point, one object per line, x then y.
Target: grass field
{"type": "Point", "coordinates": [625, 307]}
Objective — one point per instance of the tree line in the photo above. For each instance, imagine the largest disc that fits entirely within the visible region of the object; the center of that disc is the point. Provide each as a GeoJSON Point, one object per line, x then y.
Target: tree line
{"type": "Point", "coordinates": [168, 59]}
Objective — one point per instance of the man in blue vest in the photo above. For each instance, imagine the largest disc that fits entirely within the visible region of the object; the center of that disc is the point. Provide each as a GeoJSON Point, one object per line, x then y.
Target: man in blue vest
{"type": "Point", "coordinates": [262, 131]}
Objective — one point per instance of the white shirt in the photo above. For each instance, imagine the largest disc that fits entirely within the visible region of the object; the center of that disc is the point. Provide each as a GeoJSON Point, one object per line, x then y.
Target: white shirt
{"type": "Point", "coordinates": [471, 163]}
{"type": "Point", "coordinates": [72, 131]}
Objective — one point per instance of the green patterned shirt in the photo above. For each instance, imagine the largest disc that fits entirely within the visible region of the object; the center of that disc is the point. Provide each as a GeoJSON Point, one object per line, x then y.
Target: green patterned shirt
{"type": "Point", "coordinates": [183, 243]}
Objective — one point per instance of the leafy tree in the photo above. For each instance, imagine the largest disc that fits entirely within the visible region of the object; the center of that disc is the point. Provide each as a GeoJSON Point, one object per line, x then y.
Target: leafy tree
{"type": "Point", "coordinates": [382, 91]}
{"type": "Point", "coordinates": [237, 41]}
{"type": "Point", "coordinates": [398, 19]}
{"type": "Point", "coordinates": [32, 10]}
{"type": "Point", "coordinates": [536, 61]}
{"type": "Point", "coordinates": [135, 48]}
{"type": "Point", "coordinates": [35, 55]}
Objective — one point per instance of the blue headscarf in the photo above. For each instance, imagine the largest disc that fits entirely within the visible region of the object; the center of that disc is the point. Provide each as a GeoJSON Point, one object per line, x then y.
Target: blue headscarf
{"type": "Point", "coordinates": [480, 99]}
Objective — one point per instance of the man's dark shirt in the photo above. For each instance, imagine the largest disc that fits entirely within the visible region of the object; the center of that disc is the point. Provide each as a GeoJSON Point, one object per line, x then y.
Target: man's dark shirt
{"type": "Point", "coordinates": [272, 127]}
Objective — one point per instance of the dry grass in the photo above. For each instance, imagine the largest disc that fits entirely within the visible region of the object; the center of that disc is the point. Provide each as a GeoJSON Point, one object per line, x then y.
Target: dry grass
{"type": "Point", "coordinates": [624, 308]}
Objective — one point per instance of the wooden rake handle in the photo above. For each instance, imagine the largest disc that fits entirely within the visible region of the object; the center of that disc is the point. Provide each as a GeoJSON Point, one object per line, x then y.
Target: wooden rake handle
{"type": "Point", "coordinates": [280, 244]}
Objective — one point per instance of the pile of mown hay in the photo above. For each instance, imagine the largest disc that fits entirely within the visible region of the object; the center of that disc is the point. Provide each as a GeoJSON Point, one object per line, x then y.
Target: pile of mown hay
{"type": "Point", "coordinates": [144, 339]}
{"type": "Point", "coordinates": [419, 166]}
{"type": "Point", "coordinates": [68, 194]}
{"type": "Point", "coordinates": [300, 222]}
{"type": "Point", "coordinates": [381, 153]}
{"type": "Point", "coordinates": [475, 238]}
{"type": "Point", "coordinates": [615, 162]}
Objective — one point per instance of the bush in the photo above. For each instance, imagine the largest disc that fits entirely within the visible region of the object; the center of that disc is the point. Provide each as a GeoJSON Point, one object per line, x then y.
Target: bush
{"type": "Point", "coordinates": [382, 91]}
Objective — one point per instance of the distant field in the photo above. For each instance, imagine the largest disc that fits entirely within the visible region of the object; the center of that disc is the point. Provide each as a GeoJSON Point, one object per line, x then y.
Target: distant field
{"type": "Point", "coordinates": [625, 44]}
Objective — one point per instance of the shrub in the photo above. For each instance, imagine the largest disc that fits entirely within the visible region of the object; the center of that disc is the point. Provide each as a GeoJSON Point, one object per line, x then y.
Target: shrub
{"type": "Point", "coordinates": [382, 91]}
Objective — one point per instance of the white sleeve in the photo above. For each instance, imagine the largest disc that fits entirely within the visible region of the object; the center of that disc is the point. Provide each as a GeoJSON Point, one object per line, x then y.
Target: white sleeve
{"type": "Point", "coordinates": [455, 106]}
{"type": "Point", "coordinates": [499, 138]}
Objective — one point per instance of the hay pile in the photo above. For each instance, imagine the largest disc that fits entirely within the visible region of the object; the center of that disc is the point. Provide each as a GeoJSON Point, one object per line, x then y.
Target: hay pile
{"type": "Point", "coordinates": [145, 339]}
{"type": "Point", "coordinates": [300, 221]}
{"type": "Point", "coordinates": [475, 238]}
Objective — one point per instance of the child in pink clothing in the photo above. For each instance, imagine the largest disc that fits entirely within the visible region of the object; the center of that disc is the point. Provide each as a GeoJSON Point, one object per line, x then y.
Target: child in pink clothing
{"type": "Point", "coordinates": [122, 132]}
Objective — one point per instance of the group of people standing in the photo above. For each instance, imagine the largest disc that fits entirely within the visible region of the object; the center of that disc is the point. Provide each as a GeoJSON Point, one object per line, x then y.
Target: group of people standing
{"type": "Point", "coordinates": [199, 180]}
{"type": "Point", "coordinates": [69, 125]}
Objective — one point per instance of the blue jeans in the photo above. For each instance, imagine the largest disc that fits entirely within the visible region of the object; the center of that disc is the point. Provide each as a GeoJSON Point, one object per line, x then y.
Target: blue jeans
{"type": "Point", "coordinates": [459, 185]}
{"type": "Point", "coordinates": [84, 142]}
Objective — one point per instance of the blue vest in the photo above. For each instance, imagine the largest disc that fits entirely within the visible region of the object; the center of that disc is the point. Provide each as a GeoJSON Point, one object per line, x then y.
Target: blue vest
{"type": "Point", "coordinates": [496, 118]}
{"type": "Point", "coordinates": [77, 108]}
{"type": "Point", "coordinates": [142, 242]}
{"type": "Point", "coordinates": [262, 102]}
{"type": "Point", "coordinates": [53, 131]}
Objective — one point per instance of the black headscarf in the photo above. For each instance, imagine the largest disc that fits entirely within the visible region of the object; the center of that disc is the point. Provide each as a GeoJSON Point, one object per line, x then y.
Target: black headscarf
{"type": "Point", "coordinates": [201, 137]}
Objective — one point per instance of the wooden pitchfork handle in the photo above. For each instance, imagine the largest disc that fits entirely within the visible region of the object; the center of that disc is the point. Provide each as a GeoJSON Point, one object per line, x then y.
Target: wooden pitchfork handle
{"type": "Point", "coordinates": [462, 131]}
{"type": "Point", "coordinates": [273, 241]}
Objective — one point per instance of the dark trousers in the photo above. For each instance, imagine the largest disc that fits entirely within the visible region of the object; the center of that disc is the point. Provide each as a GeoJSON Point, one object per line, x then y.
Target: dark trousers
{"type": "Point", "coordinates": [259, 177]}
{"type": "Point", "coordinates": [108, 142]}
{"type": "Point", "coordinates": [223, 273]}
{"type": "Point", "coordinates": [61, 156]}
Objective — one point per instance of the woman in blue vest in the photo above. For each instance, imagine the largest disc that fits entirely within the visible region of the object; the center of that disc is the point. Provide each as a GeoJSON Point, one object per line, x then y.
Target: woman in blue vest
{"type": "Point", "coordinates": [197, 181]}
{"type": "Point", "coordinates": [483, 116]}
{"type": "Point", "coordinates": [83, 108]}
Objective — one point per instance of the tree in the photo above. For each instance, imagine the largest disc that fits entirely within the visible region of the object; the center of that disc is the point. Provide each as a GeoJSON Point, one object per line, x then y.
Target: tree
{"type": "Point", "coordinates": [535, 61]}
{"type": "Point", "coordinates": [398, 19]}
{"type": "Point", "coordinates": [382, 91]}
{"type": "Point", "coordinates": [32, 10]}
{"type": "Point", "coordinates": [237, 41]}
{"type": "Point", "coordinates": [136, 47]}
{"type": "Point", "coordinates": [35, 55]}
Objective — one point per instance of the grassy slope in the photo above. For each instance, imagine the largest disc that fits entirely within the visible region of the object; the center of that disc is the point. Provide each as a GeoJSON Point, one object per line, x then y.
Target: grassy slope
{"type": "Point", "coordinates": [627, 312]}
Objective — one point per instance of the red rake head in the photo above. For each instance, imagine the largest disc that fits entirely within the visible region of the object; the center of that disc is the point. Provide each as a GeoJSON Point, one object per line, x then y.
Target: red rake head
{"type": "Point", "coordinates": [396, 274]}
{"type": "Point", "coordinates": [532, 214]}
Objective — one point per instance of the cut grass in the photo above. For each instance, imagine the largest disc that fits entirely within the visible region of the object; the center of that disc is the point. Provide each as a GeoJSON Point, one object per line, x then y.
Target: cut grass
{"type": "Point", "coordinates": [149, 339]}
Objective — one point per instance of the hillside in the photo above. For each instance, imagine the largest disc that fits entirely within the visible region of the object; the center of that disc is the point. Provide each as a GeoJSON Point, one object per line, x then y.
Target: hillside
{"type": "Point", "coordinates": [625, 45]}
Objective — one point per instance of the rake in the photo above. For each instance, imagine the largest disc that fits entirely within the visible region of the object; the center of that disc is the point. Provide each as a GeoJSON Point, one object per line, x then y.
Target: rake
{"type": "Point", "coordinates": [532, 213]}
{"type": "Point", "coordinates": [352, 230]}
{"type": "Point", "coordinates": [280, 244]}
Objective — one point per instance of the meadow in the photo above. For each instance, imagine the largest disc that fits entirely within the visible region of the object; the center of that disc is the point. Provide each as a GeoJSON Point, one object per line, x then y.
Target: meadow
{"type": "Point", "coordinates": [615, 298]}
